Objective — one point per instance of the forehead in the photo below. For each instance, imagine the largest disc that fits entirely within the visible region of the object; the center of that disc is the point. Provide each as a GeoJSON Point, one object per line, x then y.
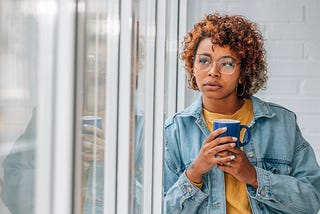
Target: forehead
{"type": "Point", "coordinates": [206, 46]}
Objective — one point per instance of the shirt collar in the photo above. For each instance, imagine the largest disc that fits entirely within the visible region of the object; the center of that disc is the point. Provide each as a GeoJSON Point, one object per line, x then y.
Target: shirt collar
{"type": "Point", "coordinates": [260, 108]}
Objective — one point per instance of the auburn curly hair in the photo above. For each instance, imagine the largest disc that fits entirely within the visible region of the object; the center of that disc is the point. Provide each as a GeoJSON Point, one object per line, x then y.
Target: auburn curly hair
{"type": "Point", "coordinates": [244, 39]}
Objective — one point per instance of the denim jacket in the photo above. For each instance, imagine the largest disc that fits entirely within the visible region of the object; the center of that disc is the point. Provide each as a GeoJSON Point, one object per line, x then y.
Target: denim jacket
{"type": "Point", "coordinates": [287, 171]}
{"type": "Point", "coordinates": [17, 190]}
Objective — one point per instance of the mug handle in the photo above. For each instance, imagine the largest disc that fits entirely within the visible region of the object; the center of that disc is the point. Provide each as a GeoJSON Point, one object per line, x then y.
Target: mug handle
{"type": "Point", "coordinates": [248, 138]}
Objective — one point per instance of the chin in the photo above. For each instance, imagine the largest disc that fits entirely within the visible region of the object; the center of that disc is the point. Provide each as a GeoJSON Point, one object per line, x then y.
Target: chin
{"type": "Point", "coordinates": [218, 96]}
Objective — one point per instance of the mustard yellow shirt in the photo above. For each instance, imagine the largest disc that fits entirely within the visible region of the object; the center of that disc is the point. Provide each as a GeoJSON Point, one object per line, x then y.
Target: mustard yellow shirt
{"type": "Point", "coordinates": [236, 194]}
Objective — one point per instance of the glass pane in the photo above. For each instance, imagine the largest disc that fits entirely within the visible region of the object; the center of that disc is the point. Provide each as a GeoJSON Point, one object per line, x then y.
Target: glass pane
{"type": "Point", "coordinates": [138, 70]}
{"type": "Point", "coordinates": [93, 115]}
{"type": "Point", "coordinates": [92, 99]}
{"type": "Point", "coordinates": [143, 74]}
{"type": "Point", "coordinates": [20, 50]}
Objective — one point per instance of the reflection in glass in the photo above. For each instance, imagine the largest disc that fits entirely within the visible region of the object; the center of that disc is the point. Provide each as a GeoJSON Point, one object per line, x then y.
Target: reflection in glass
{"type": "Point", "coordinates": [138, 126]}
{"type": "Point", "coordinates": [94, 91]}
{"type": "Point", "coordinates": [95, 103]}
{"type": "Point", "coordinates": [19, 36]}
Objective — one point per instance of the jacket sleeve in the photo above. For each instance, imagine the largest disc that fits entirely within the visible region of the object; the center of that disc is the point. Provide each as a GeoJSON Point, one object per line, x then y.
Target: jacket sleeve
{"type": "Point", "coordinates": [298, 192]}
{"type": "Point", "coordinates": [180, 196]}
{"type": "Point", "coordinates": [17, 191]}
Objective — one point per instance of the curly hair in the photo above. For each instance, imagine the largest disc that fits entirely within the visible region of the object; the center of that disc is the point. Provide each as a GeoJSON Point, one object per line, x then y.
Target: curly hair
{"type": "Point", "coordinates": [244, 39]}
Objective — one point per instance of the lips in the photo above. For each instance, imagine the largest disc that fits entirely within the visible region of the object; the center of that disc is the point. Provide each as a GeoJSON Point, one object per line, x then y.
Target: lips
{"type": "Point", "coordinates": [213, 85]}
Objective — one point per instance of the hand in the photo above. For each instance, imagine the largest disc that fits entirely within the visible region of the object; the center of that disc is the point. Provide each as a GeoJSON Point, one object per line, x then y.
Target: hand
{"type": "Point", "coordinates": [211, 153]}
{"type": "Point", "coordinates": [92, 145]}
{"type": "Point", "coordinates": [240, 168]}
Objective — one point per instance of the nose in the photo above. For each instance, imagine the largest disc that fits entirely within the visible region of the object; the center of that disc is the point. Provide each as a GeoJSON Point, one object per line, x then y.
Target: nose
{"type": "Point", "coordinates": [214, 70]}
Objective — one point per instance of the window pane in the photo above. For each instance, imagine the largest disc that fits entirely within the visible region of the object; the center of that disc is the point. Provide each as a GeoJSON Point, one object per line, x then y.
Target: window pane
{"type": "Point", "coordinates": [138, 97]}
{"type": "Point", "coordinates": [91, 104]}
{"type": "Point", "coordinates": [21, 45]}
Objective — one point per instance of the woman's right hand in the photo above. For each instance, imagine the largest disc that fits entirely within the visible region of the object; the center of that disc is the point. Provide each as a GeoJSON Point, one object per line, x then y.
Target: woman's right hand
{"type": "Point", "coordinates": [92, 145]}
{"type": "Point", "coordinates": [213, 151]}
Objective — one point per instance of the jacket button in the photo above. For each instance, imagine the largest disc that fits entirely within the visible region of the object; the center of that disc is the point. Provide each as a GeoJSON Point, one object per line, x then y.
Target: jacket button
{"type": "Point", "coordinates": [263, 191]}
{"type": "Point", "coordinates": [250, 154]}
{"type": "Point", "coordinates": [217, 205]}
{"type": "Point", "coordinates": [189, 189]}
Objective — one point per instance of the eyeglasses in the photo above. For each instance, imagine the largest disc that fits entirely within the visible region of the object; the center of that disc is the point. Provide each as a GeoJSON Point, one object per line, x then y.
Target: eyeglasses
{"type": "Point", "coordinates": [225, 65]}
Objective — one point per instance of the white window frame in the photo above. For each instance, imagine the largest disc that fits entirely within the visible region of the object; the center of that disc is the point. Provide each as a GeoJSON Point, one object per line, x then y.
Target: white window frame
{"type": "Point", "coordinates": [54, 144]}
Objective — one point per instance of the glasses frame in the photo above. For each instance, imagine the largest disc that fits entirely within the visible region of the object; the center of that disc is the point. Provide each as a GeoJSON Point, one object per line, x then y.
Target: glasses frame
{"type": "Point", "coordinates": [212, 62]}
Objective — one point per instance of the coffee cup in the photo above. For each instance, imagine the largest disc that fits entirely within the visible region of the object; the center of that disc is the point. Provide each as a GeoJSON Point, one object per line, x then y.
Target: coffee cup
{"type": "Point", "coordinates": [93, 121]}
{"type": "Point", "coordinates": [233, 129]}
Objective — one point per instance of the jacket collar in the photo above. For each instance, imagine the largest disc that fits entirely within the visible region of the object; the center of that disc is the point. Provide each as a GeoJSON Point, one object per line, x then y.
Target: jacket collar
{"type": "Point", "coordinates": [260, 108]}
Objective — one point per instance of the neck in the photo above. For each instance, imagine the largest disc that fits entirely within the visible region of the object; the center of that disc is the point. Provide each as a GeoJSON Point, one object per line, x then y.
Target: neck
{"type": "Point", "coordinates": [224, 106]}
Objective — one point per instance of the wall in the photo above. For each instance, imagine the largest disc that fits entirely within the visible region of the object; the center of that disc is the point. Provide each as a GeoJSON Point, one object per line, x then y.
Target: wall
{"type": "Point", "coordinates": [292, 37]}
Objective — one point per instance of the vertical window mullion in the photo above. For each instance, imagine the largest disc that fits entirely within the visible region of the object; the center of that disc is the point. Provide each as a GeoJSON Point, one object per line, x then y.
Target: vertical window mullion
{"type": "Point", "coordinates": [124, 172]}
{"type": "Point", "coordinates": [111, 130]}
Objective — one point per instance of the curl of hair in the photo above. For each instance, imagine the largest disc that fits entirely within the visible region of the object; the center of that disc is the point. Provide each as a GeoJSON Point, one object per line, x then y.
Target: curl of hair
{"type": "Point", "coordinates": [245, 41]}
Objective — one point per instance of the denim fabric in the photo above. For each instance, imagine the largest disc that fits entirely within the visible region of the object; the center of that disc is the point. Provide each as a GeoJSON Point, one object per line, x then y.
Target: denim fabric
{"type": "Point", "coordinates": [95, 190]}
{"type": "Point", "coordinates": [17, 191]}
{"type": "Point", "coordinates": [287, 171]}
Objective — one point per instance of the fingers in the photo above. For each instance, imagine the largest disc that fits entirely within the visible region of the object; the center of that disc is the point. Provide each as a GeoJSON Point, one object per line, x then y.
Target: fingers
{"type": "Point", "coordinates": [226, 161]}
{"type": "Point", "coordinates": [223, 154]}
{"type": "Point", "coordinates": [92, 143]}
{"type": "Point", "coordinates": [221, 149]}
{"type": "Point", "coordinates": [93, 129]}
{"type": "Point", "coordinates": [214, 139]}
{"type": "Point", "coordinates": [89, 146]}
{"type": "Point", "coordinates": [89, 154]}
{"type": "Point", "coordinates": [234, 150]}
{"type": "Point", "coordinates": [91, 138]}
{"type": "Point", "coordinates": [215, 134]}
{"type": "Point", "coordinates": [241, 169]}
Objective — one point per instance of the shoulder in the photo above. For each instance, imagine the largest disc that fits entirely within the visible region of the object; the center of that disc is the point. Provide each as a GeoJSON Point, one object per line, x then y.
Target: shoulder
{"type": "Point", "coordinates": [173, 119]}
{"type": "Point", "coordinates": [270, 109]}
{"type": "Point", "coordinates": [189, 113]}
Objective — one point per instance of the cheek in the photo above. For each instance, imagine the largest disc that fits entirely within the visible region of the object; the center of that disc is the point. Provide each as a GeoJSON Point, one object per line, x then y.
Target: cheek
{"type": "Point", "coordinates": [198, 77]}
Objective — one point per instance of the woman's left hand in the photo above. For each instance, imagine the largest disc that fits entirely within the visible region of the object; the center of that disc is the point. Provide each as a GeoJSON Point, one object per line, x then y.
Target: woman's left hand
{"type": "Point", "coordinates": [92, 145]}
{"type": "Point", "coordinates": [240, 168]}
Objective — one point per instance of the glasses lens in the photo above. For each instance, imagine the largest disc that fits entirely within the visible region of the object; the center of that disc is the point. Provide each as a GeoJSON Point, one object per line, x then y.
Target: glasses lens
{"type": "Point", "coordinates": [226, 65]}
{"type": "Point", "coordinates": [202, 63]}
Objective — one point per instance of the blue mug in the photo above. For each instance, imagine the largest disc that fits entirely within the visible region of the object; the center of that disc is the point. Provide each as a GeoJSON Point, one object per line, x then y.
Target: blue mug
{"type": "Point", "coordinates": [233, 129]}
{"type": "Point", "coordinates": [92, 120]}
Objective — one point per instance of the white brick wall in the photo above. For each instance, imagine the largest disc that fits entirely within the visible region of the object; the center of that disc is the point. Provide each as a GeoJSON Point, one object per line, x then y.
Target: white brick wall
{"type": "Point", "coordinates": [292, 32]}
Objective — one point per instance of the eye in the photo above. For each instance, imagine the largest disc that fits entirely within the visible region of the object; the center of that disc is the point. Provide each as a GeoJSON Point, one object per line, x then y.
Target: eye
{"type": "Point", "coordinates": [227, 63]}
{"type": "Point", "coordinates": [204, 60]}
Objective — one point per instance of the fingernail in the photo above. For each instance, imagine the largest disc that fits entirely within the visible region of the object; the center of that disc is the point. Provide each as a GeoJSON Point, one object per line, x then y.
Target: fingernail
{"type": "Point", "coordinates": [232, 144]}
{"type": "Point", "coordinates": [224, 128]}
{"type": "Point", "coordinates": [234, 138]}
{"type": "Point", "coordinates": [232, 157]}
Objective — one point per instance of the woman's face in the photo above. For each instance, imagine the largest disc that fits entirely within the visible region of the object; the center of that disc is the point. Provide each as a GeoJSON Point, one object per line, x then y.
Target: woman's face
{"type": "Point", "coordinates": [216, 70]}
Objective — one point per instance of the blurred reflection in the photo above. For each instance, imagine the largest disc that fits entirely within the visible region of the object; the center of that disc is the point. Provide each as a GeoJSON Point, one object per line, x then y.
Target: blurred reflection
{"type": "Point", "coordinates": [94, 105]}
{"type": "Point", "coordinates": [139, 100]}
{"type": "Point", "coordinates": [18, 96]}
{"type": "Point", "coordinates": [94, 96]}
{"type": "Point", "coordinates": [18, 184]}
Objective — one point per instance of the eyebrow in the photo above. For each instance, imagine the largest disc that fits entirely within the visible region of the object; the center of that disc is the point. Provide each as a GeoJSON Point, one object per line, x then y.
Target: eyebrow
{"type": "Point", "coordinates": [209, 55]}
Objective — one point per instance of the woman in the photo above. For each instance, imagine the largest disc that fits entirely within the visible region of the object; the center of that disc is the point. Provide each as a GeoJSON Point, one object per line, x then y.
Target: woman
{"type": "Point", "coordinates": [275, 173]}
